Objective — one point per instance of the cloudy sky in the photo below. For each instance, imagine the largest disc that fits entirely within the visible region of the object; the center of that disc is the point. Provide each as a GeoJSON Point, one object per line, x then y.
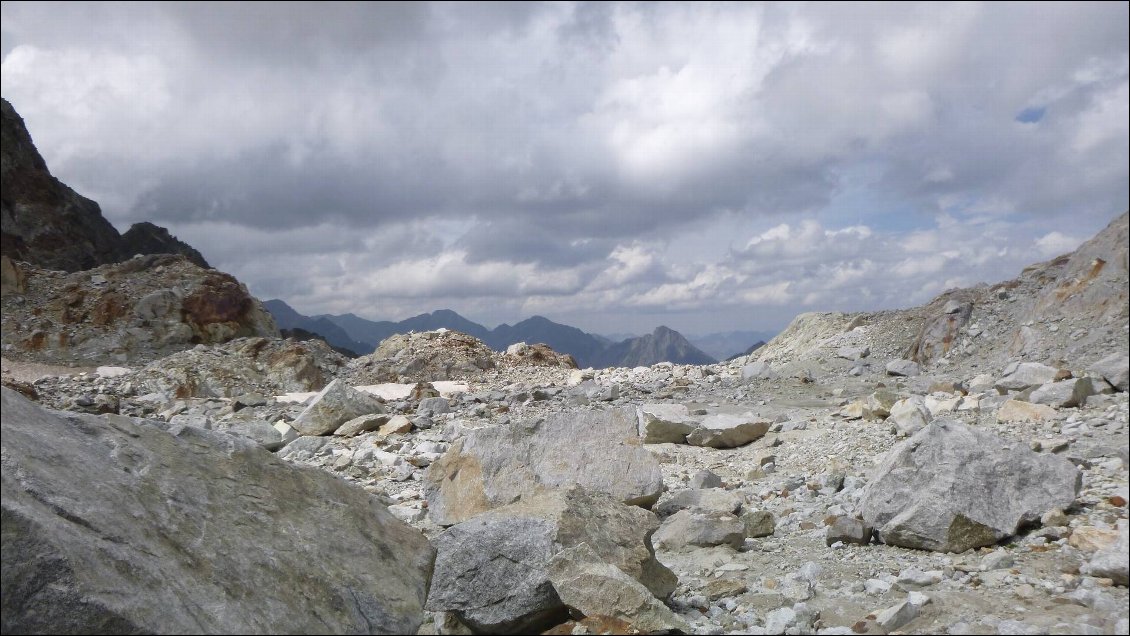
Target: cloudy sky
{"type": "Point", "coordinates": [612, 166]}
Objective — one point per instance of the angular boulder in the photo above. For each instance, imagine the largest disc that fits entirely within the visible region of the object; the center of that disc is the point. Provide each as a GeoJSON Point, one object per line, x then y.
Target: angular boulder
{"type": "Point", "coordinates": [492, 571]}
{"type": "Point", "coordinates": [700, 529]}
{"type": "Point", "coordinates": [758, 370]}
{"type": "Point", "coordinates": [1025, 375]}
{"type": "Point", "coordinates": [728, 431]}
{"type": "Point", "coordinates": [1115, 369]}
{"type": "Point", "coordinates": [118, 525]}
{"type": "Point", "coordinates": [704, 499]}
{"type": "Point", "coordinates": [662, 423]}
{"type": "Point", "coordinates": [491, 467]}
{"type": "Point", "coordinates": [1113, 561]}
{"type": "Point", "coordinates": [588, 585]}
{"type": "Point", "coordinates": [1065, 393]}
{"type": "Point", "coordinates": [902, 368]}
{"type": "Point", "coordinates": [909, 415]}
{"type": "Point", "coordinates": [335, 405]}
{"type": "Point", "coordinates": [950, 488]}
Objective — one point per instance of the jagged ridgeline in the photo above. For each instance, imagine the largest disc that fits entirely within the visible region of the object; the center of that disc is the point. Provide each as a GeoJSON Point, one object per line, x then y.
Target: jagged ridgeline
{"type": "Point", "coordinates": [359, 336]}
{"type": "Point", "coordinates": [171, 464]}
{"type": "Point", "coordinates": [45, 223]}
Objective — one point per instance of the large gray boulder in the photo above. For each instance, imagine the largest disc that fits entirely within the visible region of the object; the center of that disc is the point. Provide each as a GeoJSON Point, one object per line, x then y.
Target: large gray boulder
{"type": "Point", "coordinates": [491, 467]}
{"type": "Point", "coordinates": [1115, 368]}
{"type": "Point", "coordinates": [903, 368]}
{"type": "Point", "coordinates": [588, 585]}
{"type": "Point", "coordinates": [704, 499]}
{"type": "Point", "coordinates": [335, 405]}
{"type": "Point", "coordinates": [1065, 393]}
{"type": "Point", "coordinates": [1019, 376]}
{"type": "Point", "coordinates": [661, 423]}
{"type": "Point", "coordinates": [909, 415]}
{"type": "Point", "coordinates": [950, 488]}
{"type": "Point", "coordinates": [492, 571]}
{"type": "Point", "coordinates": [697, 528]}
{"type": "Point", "coordinates": [758, 370]}
{"type": "Point", "coordinates": [728, 431]}
{"type": "Point", "coordinates": [118, 525]}
{"type": "Point", "coordinates": [491, 574]}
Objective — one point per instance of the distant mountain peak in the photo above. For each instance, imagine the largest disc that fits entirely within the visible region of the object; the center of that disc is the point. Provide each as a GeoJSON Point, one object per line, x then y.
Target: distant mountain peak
{"type": "Point", "coordinates": [663, 344]}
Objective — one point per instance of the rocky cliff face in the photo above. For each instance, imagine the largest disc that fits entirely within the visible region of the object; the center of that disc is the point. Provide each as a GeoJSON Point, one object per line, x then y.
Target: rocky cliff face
{"type": "Point", "coordinates": [47, 224]}
{"type": "Point", "coordinates": [137, 310]}
{"type": "Point", "coordinates": [42, 221]}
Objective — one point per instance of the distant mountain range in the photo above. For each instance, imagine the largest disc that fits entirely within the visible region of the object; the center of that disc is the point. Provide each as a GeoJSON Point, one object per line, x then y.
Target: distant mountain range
{"type": "Point", "coordinates": [351, 332]}
{"type": "Point", "coordinates": [729, 344]}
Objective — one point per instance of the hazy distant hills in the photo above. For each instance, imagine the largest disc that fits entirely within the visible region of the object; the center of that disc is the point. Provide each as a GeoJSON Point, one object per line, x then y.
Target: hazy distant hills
{"type": "Point", "coordinates": [360, 335]}
{"type": "Point", "coordinates": [586, 349]}
{"type": "Point", "coordinates": [753, 347]}
{"type": "Point", "coordinates": [661, 345]}
{"type": "Point", "coordinates": [728, 344]}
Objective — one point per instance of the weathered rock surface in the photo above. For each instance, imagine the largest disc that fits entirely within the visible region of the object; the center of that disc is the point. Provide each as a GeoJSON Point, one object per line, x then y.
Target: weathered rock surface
{"type": "Point", "coordinates": [1115, 368]}
{"type": "Point", "coordinates": [490, 467]}
{"type": "Point", "coordinates": [425, 356]}
{"type": "Point", "coordinates": [244, 365]}
{"type": "Point", "coordinates": [704, 499]}
{"type": "Point", "coordinates": [699, 529]}
{"type": "Point", "coordinates": [588, 585]}
{"type": "Point", "coordinates": [662, 423]}
{"type": "Point", "coordinates": [491, 574]}
{"type": "Point", "coordinates": [950, 488]}
{"type": "Point", "coordinates": [147, 238]}
{"type": "Point", "coordinates": [1025, 375]}
{"type": "Point", "coordinates": [118, 525]}
{"type": "Point", "coordinates": [939, 332]}
{"type": "Point", "coordinates": [137, 310]}
{"type": "Point", "coordinates": [1112, 562]}
{"type": "Point", "coordinates": [335, 405]}
{"type": "Point", "coordinates": [728, 431]}
{"type": "Point", "coordinates": [902, 368]}
{"type": "Point", "coordinates": [493, 571]}
{"type": "Point", "coordinates": [1064, 393]}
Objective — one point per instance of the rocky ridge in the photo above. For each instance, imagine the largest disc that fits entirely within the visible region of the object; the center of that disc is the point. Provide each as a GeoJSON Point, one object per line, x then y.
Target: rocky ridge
{"type": "Point", "coordinates": [47, 224]}
{"type": "Point", "coordinates": [137, 310]}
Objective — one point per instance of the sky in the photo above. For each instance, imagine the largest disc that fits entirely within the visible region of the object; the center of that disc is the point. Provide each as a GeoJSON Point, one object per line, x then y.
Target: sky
{"type": "Point", "coordinates": [709, 167]}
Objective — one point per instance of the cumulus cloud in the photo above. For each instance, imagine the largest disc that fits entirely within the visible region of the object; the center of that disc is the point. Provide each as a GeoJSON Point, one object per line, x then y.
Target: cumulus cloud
{"type": "Point", "coordinates": [703, 165]}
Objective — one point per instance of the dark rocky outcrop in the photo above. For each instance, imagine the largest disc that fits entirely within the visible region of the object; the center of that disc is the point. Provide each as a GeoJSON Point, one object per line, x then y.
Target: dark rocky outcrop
{"type": "Point", "coordinates": [146, 238]}
{"type": "Point", "coordinates": [47, 224]}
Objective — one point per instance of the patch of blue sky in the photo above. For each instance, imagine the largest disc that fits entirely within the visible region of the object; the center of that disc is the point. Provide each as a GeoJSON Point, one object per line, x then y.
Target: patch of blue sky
{"type": "Point", "coordinates": [1031, 115]}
